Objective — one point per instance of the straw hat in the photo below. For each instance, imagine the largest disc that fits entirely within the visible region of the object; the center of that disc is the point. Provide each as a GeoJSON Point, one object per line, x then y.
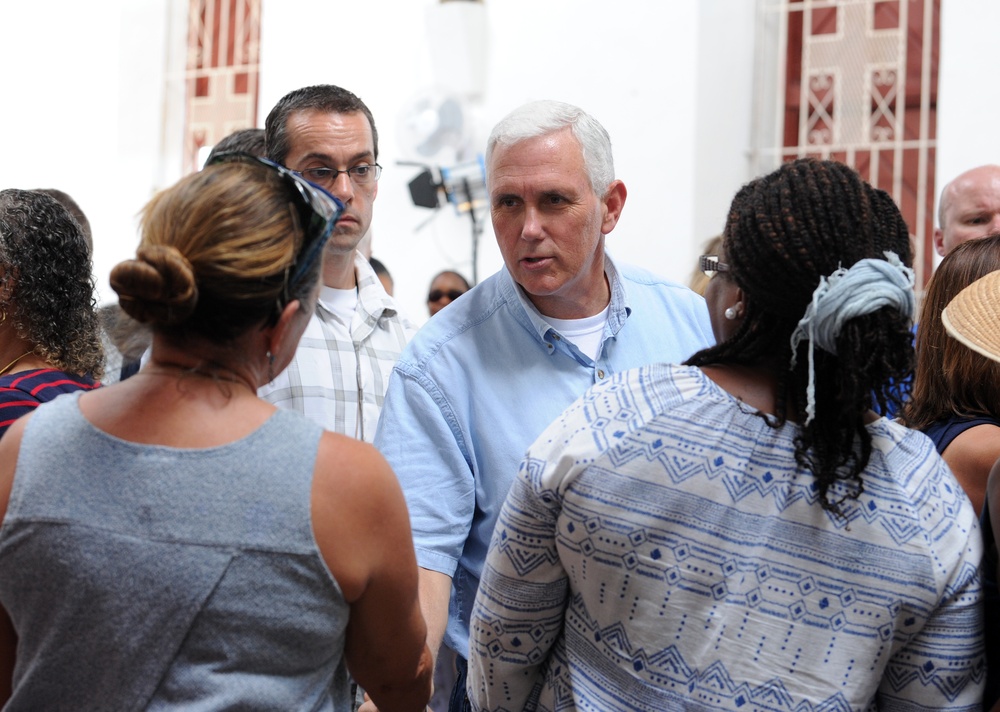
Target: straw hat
{"type": "Point", "coordinates": [973, 316]}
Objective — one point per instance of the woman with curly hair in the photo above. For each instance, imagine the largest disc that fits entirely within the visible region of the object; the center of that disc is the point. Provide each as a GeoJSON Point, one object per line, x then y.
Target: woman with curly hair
{"type": "Point", "coordinates": [743, 531]}
{"type": "Point", "coordinates": [50, 340]}
{"type": "Point", "coordinates": [201, 549]}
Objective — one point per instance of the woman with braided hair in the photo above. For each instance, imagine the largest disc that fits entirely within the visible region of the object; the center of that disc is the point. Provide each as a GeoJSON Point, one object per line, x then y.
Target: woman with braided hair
{"type": "Point", "coordinates": [186, 545]}
{"type": "Point", "coordinates": [743, 531]}
{"type": "Point", "coordinates": [789, 237]}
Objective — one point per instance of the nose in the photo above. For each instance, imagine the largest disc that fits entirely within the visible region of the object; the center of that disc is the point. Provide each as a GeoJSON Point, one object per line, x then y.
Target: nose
{"type": "Point", "coordinates": [342, 187]}
{"type": "Point", "coordinates": [995, 224]}
{"type": "Point", "coordinates": [532, 228]}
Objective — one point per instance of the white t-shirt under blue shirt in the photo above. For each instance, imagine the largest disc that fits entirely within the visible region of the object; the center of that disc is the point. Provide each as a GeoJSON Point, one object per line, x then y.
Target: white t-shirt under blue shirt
{"type": "Point", "coordinates": [477, 385]}
{"type": "Point", "coordinates": [586, 333]}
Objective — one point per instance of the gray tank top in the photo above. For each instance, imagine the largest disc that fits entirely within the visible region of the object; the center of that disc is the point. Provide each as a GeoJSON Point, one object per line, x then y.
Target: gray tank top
{"type": "Point", "coordinates": [148, 577]}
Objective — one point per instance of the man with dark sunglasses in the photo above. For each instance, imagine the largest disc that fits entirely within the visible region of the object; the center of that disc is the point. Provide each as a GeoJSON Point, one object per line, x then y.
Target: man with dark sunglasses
{"type": "Point", "coordinates": [446, 287]}
{"type": "Point", "coordinates": [341, 369]}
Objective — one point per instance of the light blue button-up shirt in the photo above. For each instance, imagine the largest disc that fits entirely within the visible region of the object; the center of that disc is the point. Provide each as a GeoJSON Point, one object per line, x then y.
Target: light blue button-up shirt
{"type": "Point", "coordinates": [478, 384]}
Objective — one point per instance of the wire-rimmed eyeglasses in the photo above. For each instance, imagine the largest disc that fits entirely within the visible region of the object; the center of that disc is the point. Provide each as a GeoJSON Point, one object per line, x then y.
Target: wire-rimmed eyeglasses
{"type": "Point", "coordinates": [324, 177]}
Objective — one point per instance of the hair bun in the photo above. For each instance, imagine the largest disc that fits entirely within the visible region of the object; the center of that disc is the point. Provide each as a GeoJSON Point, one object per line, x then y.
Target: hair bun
{"type": "Point", "coordinates": [157, 287]}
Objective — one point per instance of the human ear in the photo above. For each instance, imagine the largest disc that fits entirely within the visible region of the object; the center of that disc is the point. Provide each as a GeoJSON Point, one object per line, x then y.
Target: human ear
{"type": "Point", "coordinates": [614, 201]}
{"type": "Point", "coordinates": [282, 338]}
{"type": "Point", "coordinates": [939, 241]}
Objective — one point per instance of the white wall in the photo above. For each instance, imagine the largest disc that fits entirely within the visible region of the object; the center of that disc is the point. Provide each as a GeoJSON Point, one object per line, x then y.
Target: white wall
{"type": "Point", "coordinates": [631, 64]}
{"type": "Point", "coordinates": [968, 100]}
{"type": "Point", "coordinates": [725, 76]}
{"type": "Point", "coordinates": [91, 107]}
{"type": "Point", "coordinates": [90, 94]}
{"type": "Point", "coordinates": [81, 91]}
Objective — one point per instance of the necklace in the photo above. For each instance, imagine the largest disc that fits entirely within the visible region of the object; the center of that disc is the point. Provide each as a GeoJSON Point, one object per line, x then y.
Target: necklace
{"type": "Point", "coordinates": [11, 364]}
{"type": "Point", "coordinates": [165, 370]}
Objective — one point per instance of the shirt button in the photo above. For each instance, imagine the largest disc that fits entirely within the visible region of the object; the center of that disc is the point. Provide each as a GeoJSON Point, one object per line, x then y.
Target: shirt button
{"type": "Point", "coordinates": [556, 337]}
{"type": "Point", "coordinates": [600, 373]}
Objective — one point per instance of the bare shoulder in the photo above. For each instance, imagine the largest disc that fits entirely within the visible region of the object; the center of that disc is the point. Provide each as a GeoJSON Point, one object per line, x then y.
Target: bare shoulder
{"type": "Point", "coordinates": [971, 456]}
{"type": "Point", "coordinates": [351, 466]}
{"type": "Point", "coordinates": [359, 516]}
{"type": "Point", "coordinates": [980, 444]}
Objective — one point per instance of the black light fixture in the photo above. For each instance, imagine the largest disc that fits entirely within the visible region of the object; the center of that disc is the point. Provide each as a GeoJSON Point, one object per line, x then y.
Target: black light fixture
{"type": "Point", "coordinates": [464, 186]}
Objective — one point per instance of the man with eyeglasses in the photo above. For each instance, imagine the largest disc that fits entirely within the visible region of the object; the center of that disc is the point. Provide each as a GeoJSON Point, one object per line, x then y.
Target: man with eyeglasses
{"type": "Point", "coordinates": [341, 369]}
{"type": "Point", "coordinates": [485, 376]}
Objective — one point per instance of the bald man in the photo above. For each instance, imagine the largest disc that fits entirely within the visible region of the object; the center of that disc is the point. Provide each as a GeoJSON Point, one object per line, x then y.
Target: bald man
{"type": "Point", "coordinates": [969, 208]}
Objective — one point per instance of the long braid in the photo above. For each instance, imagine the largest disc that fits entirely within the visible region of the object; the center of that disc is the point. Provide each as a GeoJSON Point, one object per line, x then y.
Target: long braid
{"type": "Point", "coordinates": [785, 231]}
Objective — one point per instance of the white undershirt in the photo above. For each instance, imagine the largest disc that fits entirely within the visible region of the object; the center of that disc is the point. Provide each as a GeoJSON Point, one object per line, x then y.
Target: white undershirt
{"type": "Point", "coordinates": [342, 302]}
{"type": "Point", "coordinates": [585, 333]}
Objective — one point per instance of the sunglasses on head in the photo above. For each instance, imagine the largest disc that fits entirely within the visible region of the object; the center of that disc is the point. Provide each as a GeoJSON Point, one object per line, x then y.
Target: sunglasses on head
{"type": "Point", "coordinates": [437, 294]}
{"type": "Point", "coordinates": [319, 211]}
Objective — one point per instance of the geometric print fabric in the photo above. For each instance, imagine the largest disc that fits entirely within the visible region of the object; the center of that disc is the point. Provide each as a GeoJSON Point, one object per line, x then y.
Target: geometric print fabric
{"type": "Point", "coordinates": [661, 550]}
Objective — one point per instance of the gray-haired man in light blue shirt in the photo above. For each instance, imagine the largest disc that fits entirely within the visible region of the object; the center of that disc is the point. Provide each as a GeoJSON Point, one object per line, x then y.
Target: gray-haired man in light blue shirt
{"type": "Point", "coordinates": [484, 377]}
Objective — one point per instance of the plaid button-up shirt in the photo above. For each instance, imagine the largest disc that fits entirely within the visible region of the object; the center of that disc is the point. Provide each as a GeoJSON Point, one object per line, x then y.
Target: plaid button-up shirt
{"type": "Point", "coordinates": [341, 371]}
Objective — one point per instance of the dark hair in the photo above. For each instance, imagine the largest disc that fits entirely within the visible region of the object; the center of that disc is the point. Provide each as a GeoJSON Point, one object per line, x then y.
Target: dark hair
{"type": "Point", "coordinates": [951, 379]}
{"type": "Point", "coordinates": [449, 271]}
{"type": "Point", "coordinates": [322, 97]}
{"type": "Point", "coordinates": [243, 141]}
{"type": "Point", "coordinates": [46, 288]}
{"type": "Point", "coordinates": [785, 232]}
{"type": "Point", "coordinates": [75, 210]}
{"type": "Point", "coordinates": [216, 252]}
{"type": "Point", "coordinates": [128, 336]}
{"type": "Point", "coordinates": [379, 268]}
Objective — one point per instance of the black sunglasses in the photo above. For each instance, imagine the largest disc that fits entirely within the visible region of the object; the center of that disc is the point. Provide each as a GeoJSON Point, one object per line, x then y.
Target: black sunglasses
{"type": "Point", "coordinates": [437, 294]}
{"type": "Point", "coordinates": [319, 211]}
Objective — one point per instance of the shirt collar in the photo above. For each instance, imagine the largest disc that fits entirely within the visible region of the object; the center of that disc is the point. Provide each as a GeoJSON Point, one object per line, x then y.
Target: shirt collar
{"type": "Point", "coordinates": [535, 320]}
{"type": "Point", "coordinates": [373, 301]}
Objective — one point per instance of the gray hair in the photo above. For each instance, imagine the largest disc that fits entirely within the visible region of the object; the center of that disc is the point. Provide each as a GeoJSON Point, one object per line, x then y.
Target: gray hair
{"type": "Point", "coordinates": [540, 118]}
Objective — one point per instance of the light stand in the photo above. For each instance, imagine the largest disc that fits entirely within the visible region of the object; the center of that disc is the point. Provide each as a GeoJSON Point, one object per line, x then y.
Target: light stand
{"type": "Point", "coordinates": [464, 186]}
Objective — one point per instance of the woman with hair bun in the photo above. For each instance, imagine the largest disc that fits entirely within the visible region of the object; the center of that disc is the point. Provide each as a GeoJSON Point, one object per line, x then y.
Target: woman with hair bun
{"type": "Point", "coordinates": [188, 546]}
{"type": "Point", "coordinates": [50, 340]}
{"type": "Point", "coordinates": [743, 531]}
